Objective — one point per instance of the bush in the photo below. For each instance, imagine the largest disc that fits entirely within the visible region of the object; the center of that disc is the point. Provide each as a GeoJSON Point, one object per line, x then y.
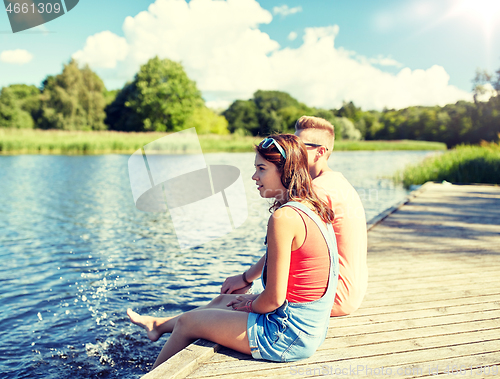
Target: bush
{"type": "Point", "coordinates": [206, 121]}
{"type": "Point", "coordinates": [464, 164]}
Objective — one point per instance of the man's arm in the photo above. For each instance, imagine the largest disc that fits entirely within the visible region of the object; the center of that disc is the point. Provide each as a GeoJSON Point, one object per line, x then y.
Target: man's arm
{"type": "Point", "coordinates": [236, 284]}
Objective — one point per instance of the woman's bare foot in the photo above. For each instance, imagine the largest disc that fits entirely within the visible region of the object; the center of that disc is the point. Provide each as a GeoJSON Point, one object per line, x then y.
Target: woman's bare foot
{"type": "Point", "coordinates": [148, 323]}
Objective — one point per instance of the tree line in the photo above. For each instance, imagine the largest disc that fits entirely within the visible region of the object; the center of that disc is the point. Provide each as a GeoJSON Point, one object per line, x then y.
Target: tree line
{"type": "Point", "coordinates": [161, 97]}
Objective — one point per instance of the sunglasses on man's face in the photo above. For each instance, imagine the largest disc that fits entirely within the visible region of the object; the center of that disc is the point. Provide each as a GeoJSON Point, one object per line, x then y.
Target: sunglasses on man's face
{"type": "Point", "coordinates": [315, 145]}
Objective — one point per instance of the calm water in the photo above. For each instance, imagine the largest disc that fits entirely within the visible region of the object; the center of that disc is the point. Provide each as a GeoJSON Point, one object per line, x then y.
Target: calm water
{"type": "Point", "coordinates": [75, 253]}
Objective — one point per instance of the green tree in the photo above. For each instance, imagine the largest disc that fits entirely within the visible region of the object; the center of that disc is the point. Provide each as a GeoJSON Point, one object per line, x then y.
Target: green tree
{"type": "Point", "coordinates": [356, 115]}
{"type": "Point", "coordinates": [163, 97]}
{"type": "Point", "coordinates": [121, 117]}
{"type": "Point", "coordinates": [242, 117]}
{"type": "Point", "coordinates": [265, 113]}
{"type": "Point", "coordinates": [18, 104]}
{"type": "Point", "coordinates": [207, 121]}
{"type": "Point", "coordinates": [460, 123]}
{"type": "Point", "coordinates": [346, 129]}
{"type": "Point", "coordinates": [72, 100]}
{"type": "Point", "coordinates": [350, 111]}
{"type": "Point", "coordinates": [270, 113]}
{"type": "Point", "coordinates": [110, 96]}
{"type": "Point", "coordinates": [480, 84]}
{"type": "Point", "coordinates": [289, 116]}
{"type": "Point", "coordinates": [328, 115]}
{"type": "Point", "coordinates": [371, 124]}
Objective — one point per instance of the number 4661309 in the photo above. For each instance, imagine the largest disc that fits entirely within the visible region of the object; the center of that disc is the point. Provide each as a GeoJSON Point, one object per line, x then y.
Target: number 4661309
{"type": "Point", "coordinates": [32, 8]}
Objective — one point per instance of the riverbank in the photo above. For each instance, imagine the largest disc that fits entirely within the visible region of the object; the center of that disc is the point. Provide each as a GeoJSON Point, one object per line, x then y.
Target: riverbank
{"type": "Point", "coordinates": [464, 164]}
{"type": "Point", "coordinates": [36, 141]}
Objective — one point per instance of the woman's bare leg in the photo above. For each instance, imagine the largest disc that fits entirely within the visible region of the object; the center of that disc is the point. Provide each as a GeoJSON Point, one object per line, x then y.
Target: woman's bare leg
{"type": "Point", "coordinates": [157, 326]}
{"type": "Point", "coordinates": [154, 326]}
{"type": "Point", "coordinates": [225, 327]}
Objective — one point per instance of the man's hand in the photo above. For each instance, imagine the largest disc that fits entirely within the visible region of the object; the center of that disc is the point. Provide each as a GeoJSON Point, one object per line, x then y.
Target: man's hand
{"type": "Point", "coordinates": [235, 284]}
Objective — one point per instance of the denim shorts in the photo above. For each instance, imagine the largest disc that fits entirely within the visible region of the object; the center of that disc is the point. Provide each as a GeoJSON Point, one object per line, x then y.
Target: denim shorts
{"type": "Point", "coordinates": [277, 336]}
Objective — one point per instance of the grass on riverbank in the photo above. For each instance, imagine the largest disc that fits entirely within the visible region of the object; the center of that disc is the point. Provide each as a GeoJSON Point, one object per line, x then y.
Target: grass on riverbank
{"type": "Point", "coordinates": [35, 141]}
{"type": "Point", "coordinates": [388, 145]}
{"type": "Point", "coordinates": [464, 164]}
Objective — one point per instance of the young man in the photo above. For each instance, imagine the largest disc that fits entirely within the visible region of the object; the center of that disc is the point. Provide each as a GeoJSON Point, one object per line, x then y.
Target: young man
{"type": "Point", "coordinates": [350, 221]}
{"type": "Point", "coordinates": [349, 225]}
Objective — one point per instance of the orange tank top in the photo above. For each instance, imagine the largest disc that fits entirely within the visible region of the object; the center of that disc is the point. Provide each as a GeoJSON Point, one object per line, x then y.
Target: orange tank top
{"type": "Point", "coordinates": [309, 265]}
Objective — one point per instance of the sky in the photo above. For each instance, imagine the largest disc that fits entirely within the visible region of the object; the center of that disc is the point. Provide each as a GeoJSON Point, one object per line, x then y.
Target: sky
{"type": "Point", "coordinates": [378, 54]}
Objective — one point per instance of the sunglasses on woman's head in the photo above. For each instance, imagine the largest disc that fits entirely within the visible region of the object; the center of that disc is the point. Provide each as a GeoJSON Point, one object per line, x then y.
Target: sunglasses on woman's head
{"type": "Point", "coordinates": [315, 145]}
{"type": "Point", "coordinates": [267, 142]}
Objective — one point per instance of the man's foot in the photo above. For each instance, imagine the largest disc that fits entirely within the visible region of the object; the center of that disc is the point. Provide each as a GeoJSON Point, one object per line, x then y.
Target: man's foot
{"type": "Point", "coordinates": [148, 323]}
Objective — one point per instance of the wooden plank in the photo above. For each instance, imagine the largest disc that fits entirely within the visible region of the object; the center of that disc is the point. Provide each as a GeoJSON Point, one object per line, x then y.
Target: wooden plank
{"type": "Point", "coordinates": [424, 285]}
{"type": "Point", "coordinates": [463, 279]}
{"type": "Point", "coordinates": [361, 339]}
{"type": "Point", "coordinates": [370, 357]}
{"type": "Point", "coordinates": [442, 331]}
{"type": "Point", "coordinates": [349, 357]}
{"type": "Point", "coordinates": [429, 291]}
{"type": "Point", "coordinates": [414, 272]}
{"type": "Point", "coordinates": [424, 306]}
{"type": "Point", "coordinates": [380, 259]}
{"type": "Point", "coordinates": [430, 266]}
{"type": "Point", "coordinates": [374, 303]}
{"type": "Point", "coordinates": [383, 257]}
{"type": "Point", "coordinates": [464, 367]}
{"type": "Point", "coordinates": [419, 370]}
{"type": "Point", "coordinates": [415, 314]}
{"type": "Point", "coordinates": [184, 362]}
{"type": "Point", "coordinates": [440, 262]}
{"type": "Point", "coordinates": [335, 331]}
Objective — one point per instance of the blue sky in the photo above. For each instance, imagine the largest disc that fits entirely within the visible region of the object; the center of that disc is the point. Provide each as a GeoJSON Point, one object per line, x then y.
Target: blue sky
{"type": "Point", "coordinates": [385, 53]}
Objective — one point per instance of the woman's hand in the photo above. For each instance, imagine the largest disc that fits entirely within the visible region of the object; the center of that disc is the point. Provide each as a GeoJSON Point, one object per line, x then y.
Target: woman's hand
{"type": "Point", "coordinates": [235, 284]}
{"type": "Point", "coordinates": [242, 303]}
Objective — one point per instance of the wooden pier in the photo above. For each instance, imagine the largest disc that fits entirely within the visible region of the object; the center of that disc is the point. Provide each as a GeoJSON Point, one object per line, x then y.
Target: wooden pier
{"type": "Point", "coordinates": [432, 306]}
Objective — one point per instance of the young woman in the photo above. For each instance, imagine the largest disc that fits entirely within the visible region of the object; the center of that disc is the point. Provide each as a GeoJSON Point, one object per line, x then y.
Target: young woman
{"type": "Point", "coordinates": [289, 319]}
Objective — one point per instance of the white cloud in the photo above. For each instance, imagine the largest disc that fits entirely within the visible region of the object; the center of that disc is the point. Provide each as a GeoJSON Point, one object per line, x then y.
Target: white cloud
{"type": "Point", "coordinates": [285, 11]}
{"type": "Point", "coordinates": [292, 36]}
{"type": "Point", "coordinates": [222, 49]}
{"type": "Point", "coordinates": [485, 92]}
{"type": "Point", "coordinates": [18, 56]}
{"type": "Point", "coordinates": [335, 75]}
{"type": "Point", "coordinates": [217, 105]}
{"type": "Point", "coordinates": [385, 61]}
{"type": "Point", "coordinates": [103, 49]}
{"type": "Point", "coordinates": [42, 29]}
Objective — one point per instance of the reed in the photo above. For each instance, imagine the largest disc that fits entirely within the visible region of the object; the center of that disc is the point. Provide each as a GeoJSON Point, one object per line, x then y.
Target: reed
{"type": "Point", "coordinates": [36, 141]}
{"type": "Point", "coordinates": [464, 164]}
{"type": "Point", "coordinates": [344, 145]}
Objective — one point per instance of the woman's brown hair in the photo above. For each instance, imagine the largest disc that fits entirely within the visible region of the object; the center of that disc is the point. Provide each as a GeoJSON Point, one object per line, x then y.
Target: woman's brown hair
{"type": "Point", "coordinates": [294, 172]}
